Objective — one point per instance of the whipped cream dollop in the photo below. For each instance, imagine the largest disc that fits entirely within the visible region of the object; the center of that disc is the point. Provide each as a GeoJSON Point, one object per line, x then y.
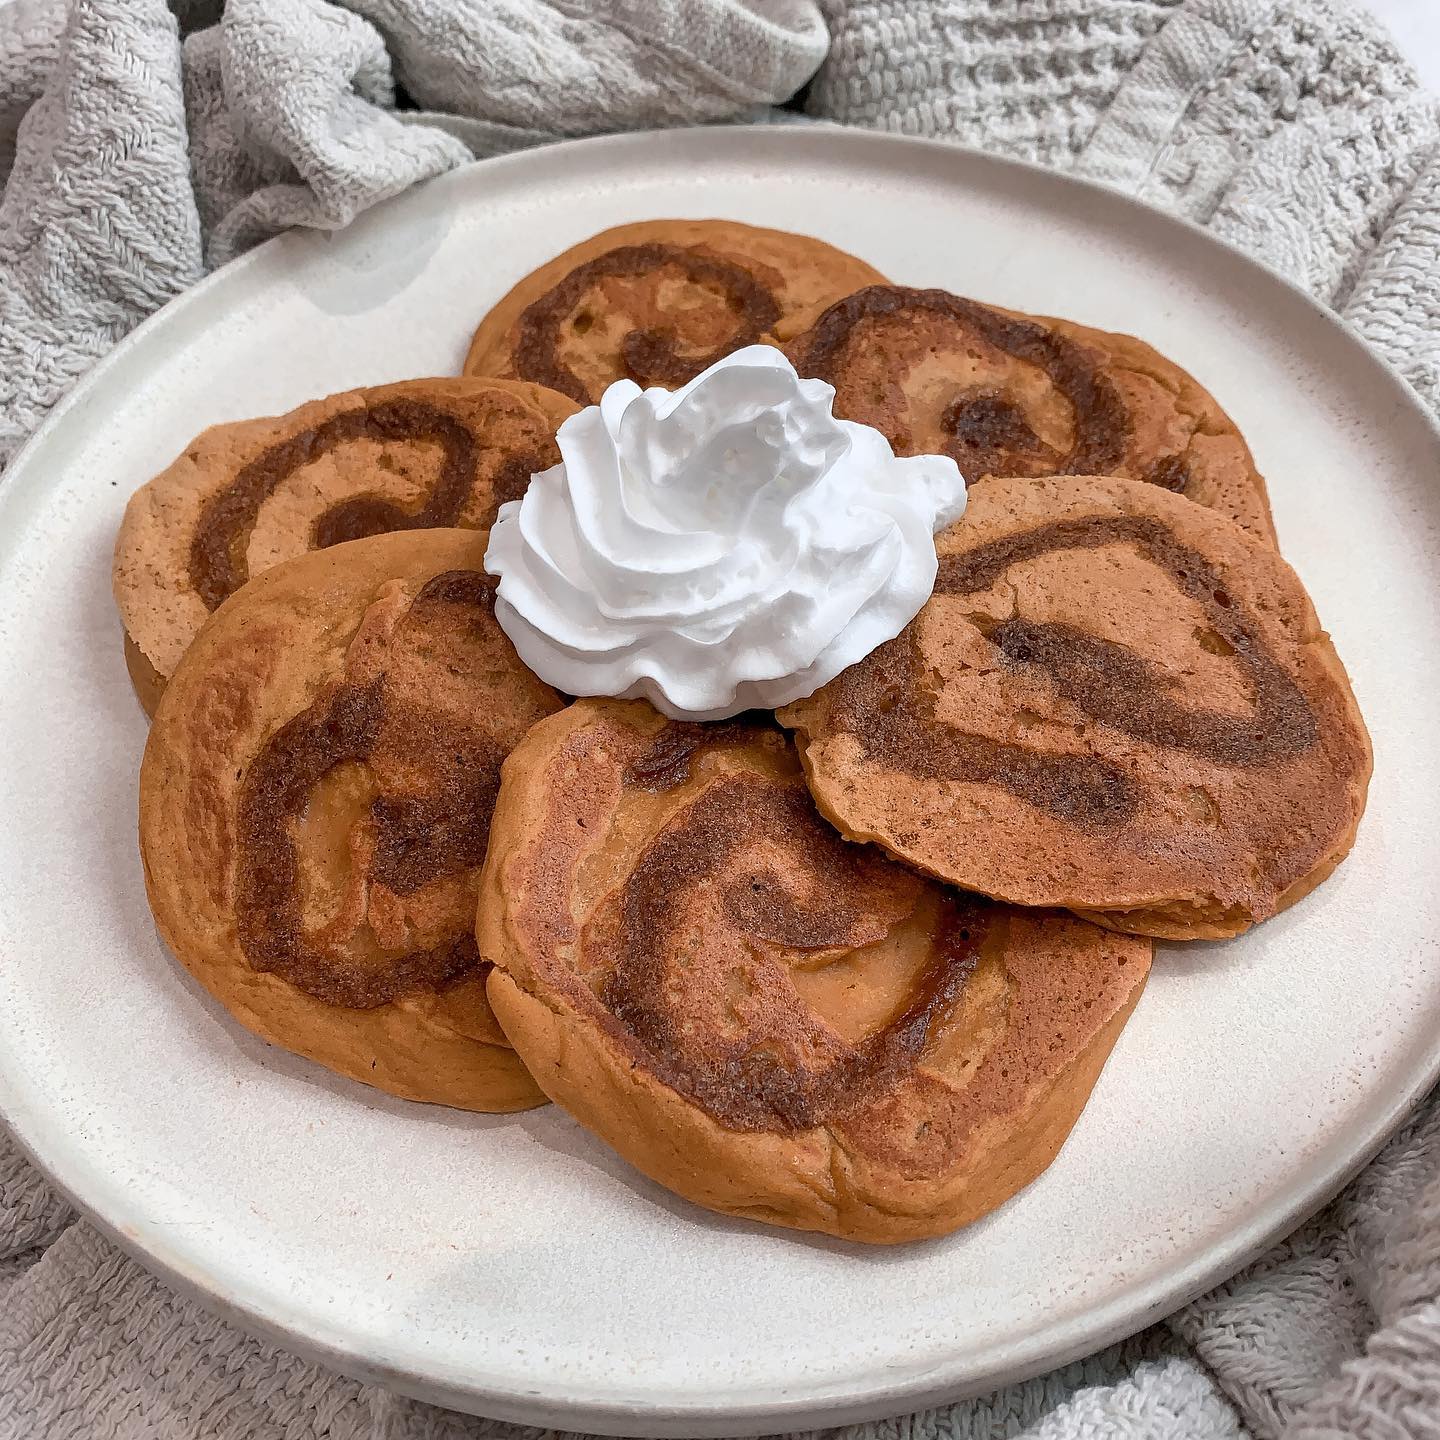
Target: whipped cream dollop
{"type": "Point", "coordinates": [727, 546]}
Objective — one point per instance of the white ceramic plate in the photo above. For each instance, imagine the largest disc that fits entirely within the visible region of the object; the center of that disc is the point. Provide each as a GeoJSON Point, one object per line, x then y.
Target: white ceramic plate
{"type": "Point", "coordinates": [513, 1266]}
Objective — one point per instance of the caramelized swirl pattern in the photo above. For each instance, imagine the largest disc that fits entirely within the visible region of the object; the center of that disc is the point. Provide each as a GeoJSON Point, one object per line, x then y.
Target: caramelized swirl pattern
{"type": "Point", "coordinates": [880, 701]}
{"type": "Point", "coordinates": [1114, 701]}
{"type": "Point", "coordinates": [763, 1016]}
{"type": "Point", "coordinates": [987, 432]}
{"type": "Point", "coordinates": [433, 772]}
{"type": "Point", "coordinates": [217, 562]}
{"type": "Point", "coordinates": [1015, 395]}
{"type": "Point", "coordinates": [650, 356]}
{"type": "Point", "coordinates": [657, 301]}
{"type": "Point", "coordinates": [789, 890]}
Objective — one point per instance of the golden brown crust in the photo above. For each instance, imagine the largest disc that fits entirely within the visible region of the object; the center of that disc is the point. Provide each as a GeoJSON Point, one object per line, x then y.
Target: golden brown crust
{"type": "Point", "coordinates": [657, 302]}
{"type": "Point", "coordinates": [769, 1021]}
{"type": "Point", "coordinates": [314, 807]}
{"type": "Point", "coordinates": [244, 496]}
{"type": "Point", "coordinates": [1116, 701]}
{"type": "Point", "coordinates": [1012, 394]}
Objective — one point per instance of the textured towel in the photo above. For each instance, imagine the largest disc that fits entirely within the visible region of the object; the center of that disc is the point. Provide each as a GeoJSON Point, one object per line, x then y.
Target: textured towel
{"type": "Point", "coordinates": [140, 153]}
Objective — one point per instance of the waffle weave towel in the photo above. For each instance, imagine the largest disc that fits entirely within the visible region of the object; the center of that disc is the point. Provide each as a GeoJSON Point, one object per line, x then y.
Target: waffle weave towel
{"type": "Point", "coordinates": [141, 147]}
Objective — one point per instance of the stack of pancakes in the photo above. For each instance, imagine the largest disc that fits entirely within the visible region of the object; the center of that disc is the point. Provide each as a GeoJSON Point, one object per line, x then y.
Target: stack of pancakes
{"type": "Point", "coordinates": [853, 967]}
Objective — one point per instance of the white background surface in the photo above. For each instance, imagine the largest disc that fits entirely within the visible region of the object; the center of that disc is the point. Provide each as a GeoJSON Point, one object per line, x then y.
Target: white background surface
{"type": "Point", "coordinates": [513, 1264]}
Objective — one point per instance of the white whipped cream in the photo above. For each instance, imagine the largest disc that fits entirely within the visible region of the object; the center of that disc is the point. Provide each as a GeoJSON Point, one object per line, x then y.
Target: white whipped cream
{"type": "Point", "coordinates": [722, 547]}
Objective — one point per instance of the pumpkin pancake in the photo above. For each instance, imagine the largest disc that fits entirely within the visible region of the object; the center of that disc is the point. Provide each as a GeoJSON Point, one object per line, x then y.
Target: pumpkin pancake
{"type": "Point", "coordinates": [770, 1021]}
{"type": "Point", "coordinates": [1010, 394]}
{"type": "Point", "coordinates": [410, 456]}
{"type": "Point", "coordinates": [658, 302]}
{"type": "Point", "coordinates": [315, 803]}
{"type": "Point", "coordinates": [1116, 701]}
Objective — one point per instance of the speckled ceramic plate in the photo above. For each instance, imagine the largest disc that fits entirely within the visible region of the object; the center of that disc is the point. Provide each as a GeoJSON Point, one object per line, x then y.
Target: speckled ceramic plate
{"type": "Point", "coordinates": [513, 1266]}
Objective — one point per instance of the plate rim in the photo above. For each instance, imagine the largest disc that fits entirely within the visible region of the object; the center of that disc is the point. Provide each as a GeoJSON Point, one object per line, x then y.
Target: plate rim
{"type": "Point", "coordinates": [779, 1408]}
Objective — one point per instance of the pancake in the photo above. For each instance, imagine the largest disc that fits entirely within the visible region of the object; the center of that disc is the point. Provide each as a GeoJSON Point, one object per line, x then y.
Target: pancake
{"type": "Point", "coordinates": [658, 302]}
{"type": "Point", "coordinates": [242, 497]}
{"type": "Point", "coordinates": [314, 809]}
{"type": "Point", "coordinates": [1115, 701]}
{"type": "Point", "coordinates": [769, 1021]}
{"type": "Point", "coordinates": [1010, 394]}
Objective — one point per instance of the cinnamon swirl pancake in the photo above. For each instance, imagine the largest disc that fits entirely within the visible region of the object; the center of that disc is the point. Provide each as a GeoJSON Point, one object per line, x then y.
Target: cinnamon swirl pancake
{"type": "Point", "coordinates": [1010, 394]}
{"type": "Point", "coordinates": [315, 803]}
{"type": "Point", "coordinates": [658, 302]}
{"type": "Point", "coordinates": [414, 455]}
{"type": "Point", "coordinates": [767, 1020]}
{"type": "Point", "coordinates": [1115, 701]}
